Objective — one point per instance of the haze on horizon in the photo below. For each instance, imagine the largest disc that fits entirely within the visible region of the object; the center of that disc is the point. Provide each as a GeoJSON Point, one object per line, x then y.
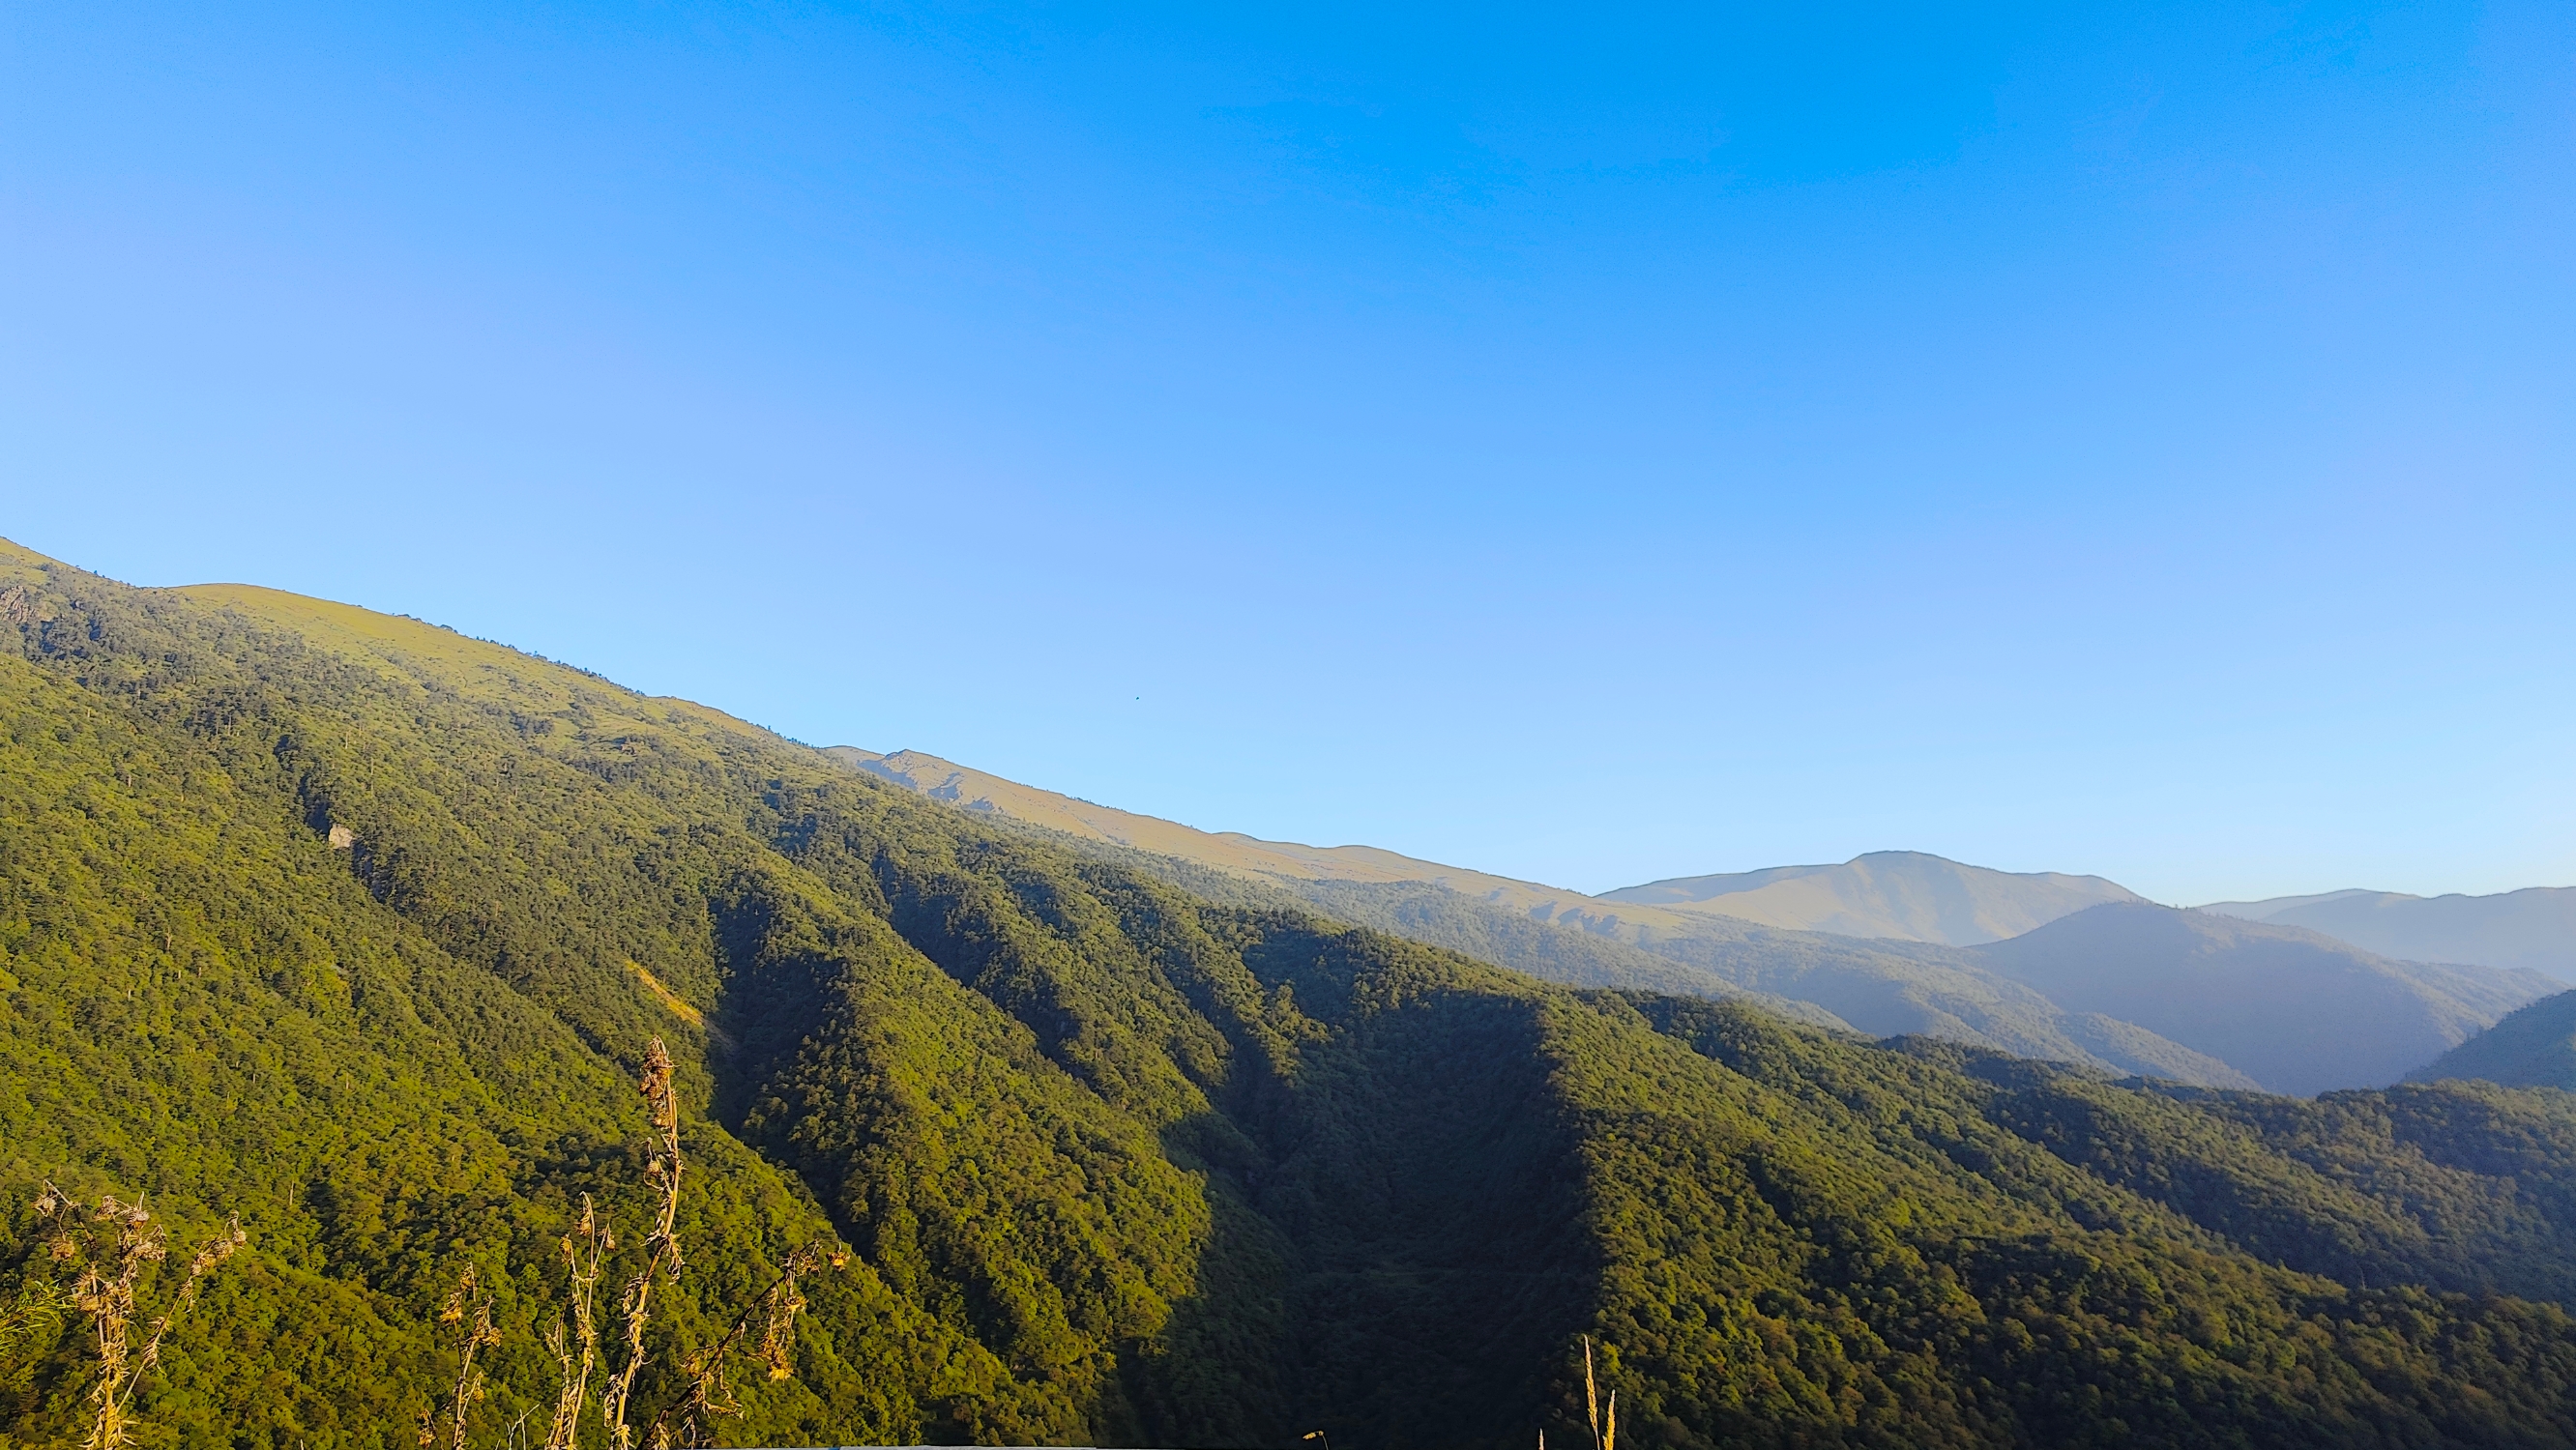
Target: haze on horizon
{"type": "Point", "coordinates": [1588, 448]}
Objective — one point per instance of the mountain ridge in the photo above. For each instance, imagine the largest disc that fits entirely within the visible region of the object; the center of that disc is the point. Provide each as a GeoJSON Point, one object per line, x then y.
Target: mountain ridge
{"type": "Point", "coordinates": [1986, 995]}
{"type": "Point", "coordinates": [1566, 937]}
{"type": "Point", "coordinates": [1234, 851]}
{"type": "Point", "coordinates": [2299, 1011]}
{"type": "Point", "coordinates": [1895, 895]}
{"type": "Point", "coordinates": [359, 930]}
{"type": "Point", "coordinates": [2534, 927]}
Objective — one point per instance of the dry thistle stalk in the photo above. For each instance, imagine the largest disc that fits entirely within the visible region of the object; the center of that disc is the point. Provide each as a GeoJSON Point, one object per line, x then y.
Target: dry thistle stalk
{"type": "Point", "coordinates": [114, 1244]}
{"type": "Point", "coordinates": [578, 1352]}
{"type": "Point", "coordinates": [468, 1306]}
{"type": "Point", "coordinates": [778, 1338]}
{"type": "Point", "coordinates": [661, 1247]}
{"type": "Point", "coordinates": [710, 1393]}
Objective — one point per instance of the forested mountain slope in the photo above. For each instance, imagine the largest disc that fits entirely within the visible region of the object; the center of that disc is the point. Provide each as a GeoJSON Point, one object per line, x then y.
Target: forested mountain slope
{"type": "Point", "coordinates": [2533, 1047]}
{"type": "Point", "coordinates": [2122, 985]}
{"type": "Point", "coordinates": [1884, 993]}
{"type": "Point", "coordinates": [1228, 852]}
{"type": "Point", "coordinates": [1121, 1164]}
{"type": "Point", "coordinates": [1795, 974]}
{"type": "Point", "coordinates": [1881, 988]}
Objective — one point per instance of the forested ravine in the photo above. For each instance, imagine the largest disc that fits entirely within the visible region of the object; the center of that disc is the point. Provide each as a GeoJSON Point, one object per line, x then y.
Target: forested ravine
{"type": "Point", "coordinates": [359, 930]}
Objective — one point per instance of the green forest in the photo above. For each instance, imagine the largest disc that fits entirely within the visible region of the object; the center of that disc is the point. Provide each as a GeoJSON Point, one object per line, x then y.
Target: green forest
{"type": "Point", "coordinates": [359, 933]}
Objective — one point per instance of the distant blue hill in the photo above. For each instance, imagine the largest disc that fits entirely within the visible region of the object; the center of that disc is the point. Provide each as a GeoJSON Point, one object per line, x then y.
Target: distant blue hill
{"type": "Point", "coordinates": [2534, 928]}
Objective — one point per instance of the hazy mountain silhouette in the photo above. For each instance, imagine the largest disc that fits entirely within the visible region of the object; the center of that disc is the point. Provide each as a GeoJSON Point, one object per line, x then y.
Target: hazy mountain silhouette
{"type": "Point", "coordinates": [1903, 895]}
{"type": "Point", "coordinates": [2299, 1011]}
{"type": "Point", "coordinates": [2118, 985]}
{"type": "Point", "coordinates": [1883, 989]}
{"type": "Point", "coordinates": [2533, 928]}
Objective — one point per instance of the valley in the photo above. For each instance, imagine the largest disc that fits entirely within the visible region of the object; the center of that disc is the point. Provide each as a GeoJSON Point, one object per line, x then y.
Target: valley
{"type": "Point", "coordinates": [2074, 969]}
{"type": "Point", "coordinates": [362, 931]}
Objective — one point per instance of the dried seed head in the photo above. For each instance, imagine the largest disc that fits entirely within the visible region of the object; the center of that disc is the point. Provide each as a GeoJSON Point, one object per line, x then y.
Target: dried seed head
{"type": "Point", "coordinates": [656, 1085]}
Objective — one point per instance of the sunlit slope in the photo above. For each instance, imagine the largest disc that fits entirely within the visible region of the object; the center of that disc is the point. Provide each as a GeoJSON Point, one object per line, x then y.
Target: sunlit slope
{"type": "Point", "coordinates": [1231, 851]}
{"type": "Point", "coordinates": [2534, 928]}
{"type": "Point", "coordinates": [2121, 989]}
{"type": "Point", "coordinates": [203, 1003]}
{"type": "Point", "coordinates": [1900, 895]}
{"type": "Point", "coordinates": [1122, 1163]}
{"type": "Point", "coordinates": [1566, 937]}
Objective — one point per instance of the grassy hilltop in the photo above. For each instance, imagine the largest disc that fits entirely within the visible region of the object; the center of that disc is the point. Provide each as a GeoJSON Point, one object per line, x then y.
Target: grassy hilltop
{"type": "Point", "coordinates": [1121, 1164]}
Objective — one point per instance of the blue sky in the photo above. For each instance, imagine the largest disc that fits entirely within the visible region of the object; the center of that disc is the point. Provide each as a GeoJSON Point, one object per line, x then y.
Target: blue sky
{"type": "Point", "coordinates": [1590, 446]}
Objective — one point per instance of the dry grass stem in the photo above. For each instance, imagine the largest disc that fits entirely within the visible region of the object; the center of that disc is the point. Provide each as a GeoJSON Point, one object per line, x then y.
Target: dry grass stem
{"type": "Point", "coordinates": [1591, 1396]}
{"type": "Point", "coordinates": [661, 1248]}
{"type": "Point", "coordinates": [114, 1246]}
{"type": "Point", "coordinates": [1605, 1427]}
{"type": "Point", "coordinates": [577, 1352]}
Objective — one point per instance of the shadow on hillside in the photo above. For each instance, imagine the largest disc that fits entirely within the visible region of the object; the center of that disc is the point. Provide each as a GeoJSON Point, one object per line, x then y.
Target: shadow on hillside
{"type": "Point", "coordinates": [1398, 1256]}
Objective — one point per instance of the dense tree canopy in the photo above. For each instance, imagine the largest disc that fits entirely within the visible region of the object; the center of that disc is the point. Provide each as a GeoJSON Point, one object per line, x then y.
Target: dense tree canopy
{"type": "Point", "coordinates": [1120, 1163]}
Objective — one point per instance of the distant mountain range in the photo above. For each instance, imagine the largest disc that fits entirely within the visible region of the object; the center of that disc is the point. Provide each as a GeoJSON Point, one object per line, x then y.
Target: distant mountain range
{"type": "Point", "coordinates": [2297, 1011]}
{"type": "Point", "coordinates": [2533, 928]}
{"type": "Point", "coordinates": [346, 940]}
{"type": "Point", "coordinates": [1905, 896]}
{"type": "Point", "coordinates": [1896, 895]}
{"type": "Point", "coordinates": [2072, 968]}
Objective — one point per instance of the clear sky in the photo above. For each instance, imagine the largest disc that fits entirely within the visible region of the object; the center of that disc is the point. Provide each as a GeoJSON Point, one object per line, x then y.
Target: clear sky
{"type": "Point", "coordinates": [1589, 444]}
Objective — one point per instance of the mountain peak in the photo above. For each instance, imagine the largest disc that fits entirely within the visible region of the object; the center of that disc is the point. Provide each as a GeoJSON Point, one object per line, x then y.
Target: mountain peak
{"type": "Point", "coordinates": [1901, 895]}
